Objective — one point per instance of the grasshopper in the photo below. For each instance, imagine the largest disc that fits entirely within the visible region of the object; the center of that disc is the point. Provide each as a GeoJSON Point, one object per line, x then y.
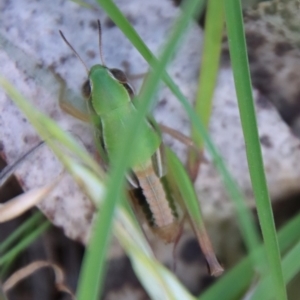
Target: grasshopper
{"type": "Point", "coordinates": [109, 102]}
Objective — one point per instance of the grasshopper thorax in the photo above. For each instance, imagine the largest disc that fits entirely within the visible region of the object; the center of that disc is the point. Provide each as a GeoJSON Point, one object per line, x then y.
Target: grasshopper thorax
{"type": "Point", "coordinates": [118, 74]}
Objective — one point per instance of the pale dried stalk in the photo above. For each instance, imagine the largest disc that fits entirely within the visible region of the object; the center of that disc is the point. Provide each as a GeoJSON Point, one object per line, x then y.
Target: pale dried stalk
{"type": "Point", "coordinates": [25, 272]}
{"type": "Point", "coordinates": [18, 205]}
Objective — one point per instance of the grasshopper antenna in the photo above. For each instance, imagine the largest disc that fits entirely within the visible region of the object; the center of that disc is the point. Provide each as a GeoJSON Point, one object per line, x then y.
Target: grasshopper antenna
{"type": "Point", "coordinates": [100, 43]}
{"type": "Point", "coordinates": [74, 51]}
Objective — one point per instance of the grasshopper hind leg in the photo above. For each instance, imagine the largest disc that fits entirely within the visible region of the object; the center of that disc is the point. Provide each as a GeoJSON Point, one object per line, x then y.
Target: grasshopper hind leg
{"type": "Point", "coordinates": [176, 241]}
{"type": "Point", "coordinates": [199, 158]}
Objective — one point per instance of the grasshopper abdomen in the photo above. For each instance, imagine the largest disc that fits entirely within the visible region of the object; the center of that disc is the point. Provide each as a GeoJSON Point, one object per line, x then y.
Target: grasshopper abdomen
{"type": "Point", "coordinates": [162, 212]}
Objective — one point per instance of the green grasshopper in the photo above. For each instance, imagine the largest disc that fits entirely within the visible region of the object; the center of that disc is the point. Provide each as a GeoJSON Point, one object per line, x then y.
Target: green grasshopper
{"type": "Point", "coordinates": [110, 106]}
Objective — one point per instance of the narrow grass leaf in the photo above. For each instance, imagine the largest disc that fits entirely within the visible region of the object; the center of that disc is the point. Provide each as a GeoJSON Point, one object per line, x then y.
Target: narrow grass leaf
{"type": "Point", "coordinates": [239, 60]}
{"type": "Point", "coordinates": [214, 23]}
{"type": "Point", "coordinates": [24, 243]}
{"type": "Point", "coordinates": [243, 274]}
{"type": "Point", "coordinates": [16, 235]}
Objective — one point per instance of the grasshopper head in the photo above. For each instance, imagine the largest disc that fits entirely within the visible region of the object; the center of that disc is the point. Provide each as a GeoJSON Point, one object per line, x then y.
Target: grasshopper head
{"type": "Point", "coordinates": [106, 92]}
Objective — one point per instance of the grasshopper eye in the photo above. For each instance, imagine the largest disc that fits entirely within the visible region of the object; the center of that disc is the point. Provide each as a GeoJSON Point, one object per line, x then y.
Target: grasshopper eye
{"type": "Point", "coordinates": [129, 90]}
{"type": "Point", "coordinates": [119, 75]}
{"type": "Point", "coordinates": [86, 89]}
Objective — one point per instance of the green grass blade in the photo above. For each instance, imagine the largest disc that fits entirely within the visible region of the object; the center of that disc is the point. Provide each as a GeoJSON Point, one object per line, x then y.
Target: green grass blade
{"type": "Point", "coordinates": [290, 266]}
{"type": "Point", "coordinates": [21, 230]}
{"type": "Point", "coordinates": [243, 274]}
{"type": "Point", "coordinates": [214, 23]}
{"type": "Point", "coordinates": [238, 54]}
{"type": "Point", "coordinates": [24, 243]}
